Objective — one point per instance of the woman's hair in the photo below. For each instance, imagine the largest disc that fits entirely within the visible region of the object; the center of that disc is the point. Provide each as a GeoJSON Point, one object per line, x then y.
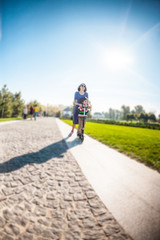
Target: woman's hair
{"type": "Point", "coordinates": [83, 85]}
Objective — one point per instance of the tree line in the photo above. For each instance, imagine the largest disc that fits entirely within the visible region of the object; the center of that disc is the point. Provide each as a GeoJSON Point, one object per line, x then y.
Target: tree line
{"type": "Point", "coordinates": [12, 105]}
{"type": "Point", "coordinates": [138, 113]}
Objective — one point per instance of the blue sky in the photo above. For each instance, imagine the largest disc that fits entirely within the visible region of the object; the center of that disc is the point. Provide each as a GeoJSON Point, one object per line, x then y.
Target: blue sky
{"type": "Point", "coordinates": [47, 48]}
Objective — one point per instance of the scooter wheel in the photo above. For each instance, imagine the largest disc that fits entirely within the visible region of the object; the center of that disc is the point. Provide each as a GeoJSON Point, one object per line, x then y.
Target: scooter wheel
{"type": "Point", "coordinates": [82, 138]}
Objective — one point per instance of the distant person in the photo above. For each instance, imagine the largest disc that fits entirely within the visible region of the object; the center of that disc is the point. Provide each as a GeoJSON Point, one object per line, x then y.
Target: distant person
{"type": "Point", "coordinates": [35, 111]}
{"type": "Point", "coordinates": [31, 111]}
{"type": "Point", "coordinates": [81, 93]}
{"type": "Point", "coordinates": [82, 114]}
{"type": "Point", "coordinates": [25, 112]}
{"type": "Point", "coordinates": [44, 114]}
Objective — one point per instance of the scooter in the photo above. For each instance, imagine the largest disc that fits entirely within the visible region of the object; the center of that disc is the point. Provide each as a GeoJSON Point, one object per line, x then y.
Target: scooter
{"type": "Point", "coordinates": [82, 134]}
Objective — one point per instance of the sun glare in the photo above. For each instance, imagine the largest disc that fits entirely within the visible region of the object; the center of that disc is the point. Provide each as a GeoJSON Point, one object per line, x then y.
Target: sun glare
{"type": "Point", "coordinates": [118, 59]}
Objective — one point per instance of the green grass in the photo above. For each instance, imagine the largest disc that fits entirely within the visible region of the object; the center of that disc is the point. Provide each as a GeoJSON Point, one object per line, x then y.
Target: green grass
{"type": "Point", "coordinates": [139, 143]}
{"type": "Point", "coordinates": [9, 119]}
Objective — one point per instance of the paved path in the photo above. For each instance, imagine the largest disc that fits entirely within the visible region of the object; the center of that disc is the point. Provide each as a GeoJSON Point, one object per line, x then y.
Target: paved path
{"type": "Point", "coordinates": [10, 122]}
{"type": "Point", "coordinates": [43, 192]}
{"type": "Point", "coordinates": [129, 189]}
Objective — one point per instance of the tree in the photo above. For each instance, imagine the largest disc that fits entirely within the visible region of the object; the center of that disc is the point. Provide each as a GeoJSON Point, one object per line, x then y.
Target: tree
{"type": "Point", "coordinates": [106, 114]}
{"type": "Point", "coordinates": [139, 109]}
{"type": "Point", "coordinates": [111, 113]}
{"type": "Point", "coordinates": [51, 110]}
{"type": "Point", "coordinates": [6, 99]}
{"type": "Point", "coordinates": [152, 117]}
{"type": "Point", "coordinates": [124, 112]}
{"type": "Point", "coordinates": [117, 115]}
{"type": "Point", "coordinates": [18, 105]}
{"type": "Point", "coordinates": [133, 111]}
{"type": "Point", "coordinates": [130, 116]}
{"type": "Point", "coordinates": [143, 117]}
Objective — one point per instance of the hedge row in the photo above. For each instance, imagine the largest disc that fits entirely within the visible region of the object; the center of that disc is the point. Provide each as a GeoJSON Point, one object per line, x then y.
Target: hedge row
{"type": "Point", "coordinates": [129, 124]}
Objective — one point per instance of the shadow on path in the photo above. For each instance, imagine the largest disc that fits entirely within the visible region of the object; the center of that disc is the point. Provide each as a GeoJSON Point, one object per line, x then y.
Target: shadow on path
{"type": "Point", "coordinates": [54, 150]}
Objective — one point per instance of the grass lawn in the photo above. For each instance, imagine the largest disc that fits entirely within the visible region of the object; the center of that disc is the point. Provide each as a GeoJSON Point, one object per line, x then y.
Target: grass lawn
{"type": "Point", "coordinates": [8, 119]}
{"type": "Point", "coordinates": [139, 143]}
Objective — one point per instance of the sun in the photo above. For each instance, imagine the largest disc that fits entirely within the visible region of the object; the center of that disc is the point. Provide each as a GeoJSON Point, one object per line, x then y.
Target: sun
{"type": "Point", "coordinates": [118, 59]}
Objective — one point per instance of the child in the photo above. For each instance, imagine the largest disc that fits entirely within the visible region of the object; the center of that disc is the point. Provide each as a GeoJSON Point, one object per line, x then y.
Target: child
{"type": "Point", "coordinates": [82, 114]}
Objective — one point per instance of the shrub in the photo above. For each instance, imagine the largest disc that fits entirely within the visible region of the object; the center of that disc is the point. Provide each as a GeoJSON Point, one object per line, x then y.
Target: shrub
{"type": "Point", "coordinates": [129, 124]}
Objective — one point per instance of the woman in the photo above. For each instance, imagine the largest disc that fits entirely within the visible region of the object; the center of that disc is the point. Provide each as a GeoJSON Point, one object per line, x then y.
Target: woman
{"type": "Point", "coordinates": [81, 93]}
{"type": "Point", "coordinates": [31, 111]}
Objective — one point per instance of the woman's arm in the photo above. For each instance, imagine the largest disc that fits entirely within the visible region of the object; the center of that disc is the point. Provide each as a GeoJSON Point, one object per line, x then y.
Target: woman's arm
{"type": "Point", "coordinates": [76, 103]}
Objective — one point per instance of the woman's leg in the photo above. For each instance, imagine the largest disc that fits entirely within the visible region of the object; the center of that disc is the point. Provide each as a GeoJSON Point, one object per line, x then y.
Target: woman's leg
{"type": "Point", "coordinates": [73, 127]}
{"type": "Point", "coordinates": [75, 121]}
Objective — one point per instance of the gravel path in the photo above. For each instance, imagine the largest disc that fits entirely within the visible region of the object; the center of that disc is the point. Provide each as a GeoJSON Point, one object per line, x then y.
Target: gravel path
{"type": "Point", "coordinates": [43, 193]}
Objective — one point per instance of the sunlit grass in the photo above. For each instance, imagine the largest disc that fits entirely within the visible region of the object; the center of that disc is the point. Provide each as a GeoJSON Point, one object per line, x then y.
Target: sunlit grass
{"type": "Point", "coordinates": [8, 119]}
{"type": "Point", "coordinates": [139, 143]}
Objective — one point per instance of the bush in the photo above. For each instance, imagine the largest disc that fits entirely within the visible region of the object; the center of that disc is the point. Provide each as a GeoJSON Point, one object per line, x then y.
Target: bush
{"type": "Point", "coordinates": [129, 124]}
